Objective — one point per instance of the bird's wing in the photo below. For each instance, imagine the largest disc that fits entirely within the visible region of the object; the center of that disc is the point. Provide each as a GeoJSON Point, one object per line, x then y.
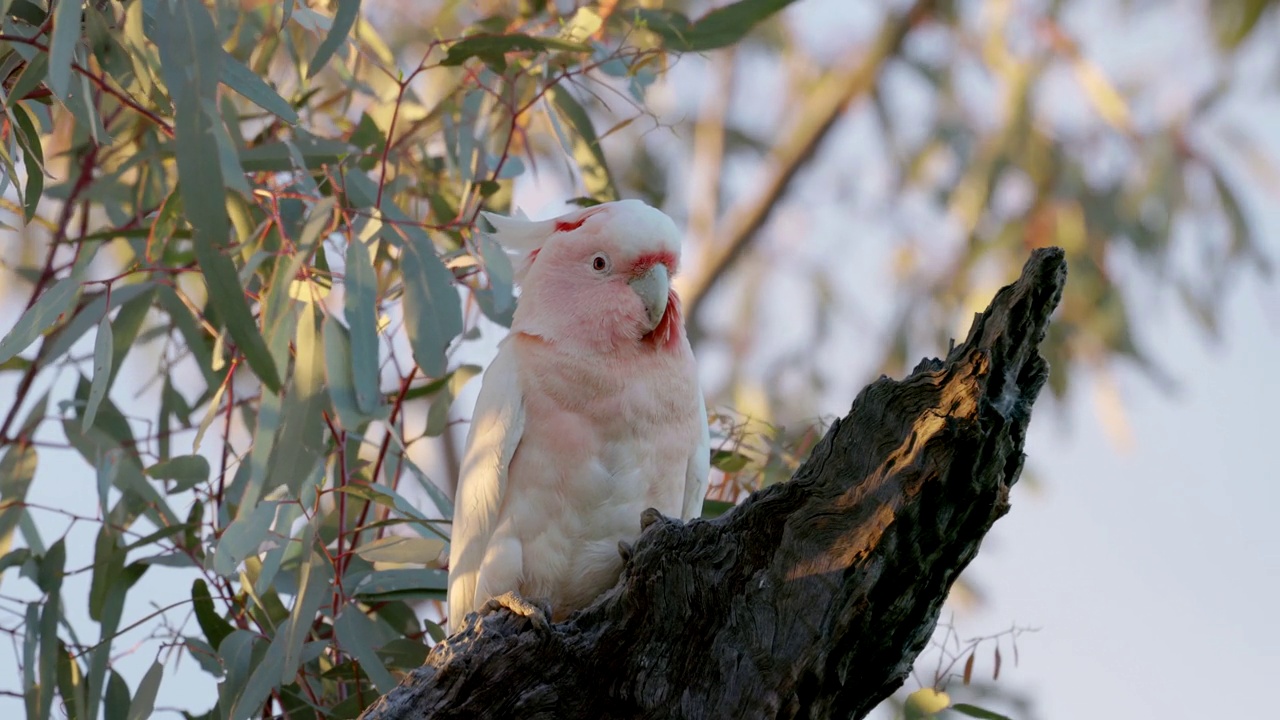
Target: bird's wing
{"type": "Point", "coordinates": [699, 470]}
{"type": "Point", "coordinates": [496, 427]}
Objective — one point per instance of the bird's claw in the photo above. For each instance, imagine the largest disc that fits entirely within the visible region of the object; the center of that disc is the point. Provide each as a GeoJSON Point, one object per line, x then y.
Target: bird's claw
{"type": "Point", "coordinates": [536, 613]}
{"type": "Point", "coordinates": [626, 550]}
{"type": "Point", "coordinates": [649, 517]}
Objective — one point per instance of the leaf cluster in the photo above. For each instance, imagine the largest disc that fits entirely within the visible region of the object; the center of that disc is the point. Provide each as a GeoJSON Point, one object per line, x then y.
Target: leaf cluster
{"type": "Point", "coordinates": [264, 215]}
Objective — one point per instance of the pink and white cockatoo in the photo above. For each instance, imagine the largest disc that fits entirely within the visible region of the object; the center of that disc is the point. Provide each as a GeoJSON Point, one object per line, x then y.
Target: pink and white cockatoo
{"type": "Point", "coordinates": [590, 413]}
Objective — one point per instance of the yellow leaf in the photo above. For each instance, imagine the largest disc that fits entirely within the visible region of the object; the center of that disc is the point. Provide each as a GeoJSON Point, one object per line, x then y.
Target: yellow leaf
{"type": "Point", "coordinates": [585, 23]}
{"type": "Point", "coordinates": [925, 703]}
{"type": "Point", "coordinates": [1103, 95]}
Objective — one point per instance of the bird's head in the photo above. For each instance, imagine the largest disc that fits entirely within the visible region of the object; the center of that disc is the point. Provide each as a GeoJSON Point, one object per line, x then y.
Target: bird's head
{"type": "Point", "coordinates": [600, 276]}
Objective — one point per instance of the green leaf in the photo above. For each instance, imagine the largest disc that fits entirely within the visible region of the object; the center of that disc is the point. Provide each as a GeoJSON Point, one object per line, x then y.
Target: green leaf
{"type": "Point", "coordinates": [33, 159]}
{"type": "Point", "coordinates": [126, 326]}
{"type": "Point", "coordinates": [400, 549]}
{"type": "Point", "coordinates": [360, 309]}
{"type": "Point", "coordinates": [30, 643]}
{"type": "Point", "coordinates": [39, 317]}
{"type": "Point", "coordinates": [1234, 20]}
{"type": "Point", "coordinates": [100, 656]}
{"type": "Point", "coordinates": [432, 311]}
{"type": "Point", "coordinates": [116, 706]}
{"type": "Point", "coordinates": [110, 435]}
{"type": "Point", "coordinates": [214, 627]}
{"type": "Point", "coordinates": [102, 347]}
{"type": "Point", "coordinates": [70, 684]}
{"type": "Point", "coordinates": [205, 656]}
{"type": "Point", "coordinates": [337, 361]}
{"type": "Point", "coordinates": [62, 47]}
{"type": "Point", "coordinates": [108, 564]}
{"type": "Point", "coordinates": [271, 561]}
{"type": "Point", "coordinates": [404, 654]}
{"type": "Point", "coordinates": [438, 498]}
{"type": "Point", "coordinates": [15, 558]}
{"type": "Point", "coordinates": [187, 470]}
{"type": "Point", "coordinates": [232, 174]}
{"type": "Point", "coordinates": [210, 414]}
{"type": "Point", "coordinates": [49, 578]}
{"type": "Point", "coordinates": [144, 701]}
{"type": "Point", "coordinates": [108, 467]}
{"type": "Point", "coordinates": [300, 443]}
{"type": "Point", "coordinates": [354, 631]}
{"type": "Point", "coordinates": [497, 300]}
{"type": "Point", "coordinates": [491, 48]}
{"type": "Point", "coordinates": [719, 28]}
{"type": "Point", "coordinates": [190, 52]}
{"type": "Point", "coordinates": [385, 496]}
{"type": "Point", "coordinates": [243, 655]}
{"type": "Point", "coordinates": [254, 89]}
{"type": "Point", "coordinates": [17, 468]}
{"type": "Point", "coordinates": [79, 102]}
{"type": "Point", "coordinates": [276, 156]}
{"type": "Point", "coordinates": [977, 712]}
{"type": "Point", "coordinates": [403, 584]}
{"type": "Point", "coordinates": [62, 338]}
{"type": "Point", "coordinates": [715, 508]}
{"type": "Point", "coordinates": [264, 438]}
{"type": "Point", "coordinates": [313, 589]}
{"type": "Point", "coordinates": [343, 20]}
{"type": "Point", "coordinates": [242, 537]}
{"type": "Point", "coordinates": [33, 74]}
{"type": "Point", "coordinates": [228, 298]}
{"type": "Point", "coordinates": [583, 146]}
{"type": "Point", "coordinates": [438, 415]}
{"type": "Point", "coordinates": [729, 460]}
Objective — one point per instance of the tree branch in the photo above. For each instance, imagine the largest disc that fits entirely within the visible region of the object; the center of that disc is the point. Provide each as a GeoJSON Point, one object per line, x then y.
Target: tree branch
{"type": "Point", "coordinates": [823, 105]}
{"type": "Point", "coordinates": [811, 599]}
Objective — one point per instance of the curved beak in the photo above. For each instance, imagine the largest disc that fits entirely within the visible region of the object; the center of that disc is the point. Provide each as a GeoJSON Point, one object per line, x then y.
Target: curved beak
{"type": "Point", "coordinates": [652, 286]}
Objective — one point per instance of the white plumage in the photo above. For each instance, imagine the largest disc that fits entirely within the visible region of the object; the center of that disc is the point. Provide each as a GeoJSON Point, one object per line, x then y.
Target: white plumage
{"type": "Point", "coordinates": [590, 413]}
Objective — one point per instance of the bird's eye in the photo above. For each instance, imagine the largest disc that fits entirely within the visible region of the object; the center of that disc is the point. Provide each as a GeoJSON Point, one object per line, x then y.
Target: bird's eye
{"type": "Point", "coordinates": [600, 262]}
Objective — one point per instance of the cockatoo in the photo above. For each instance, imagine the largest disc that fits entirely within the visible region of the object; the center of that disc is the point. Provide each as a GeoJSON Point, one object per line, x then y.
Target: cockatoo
{"type": "Point", "coordinates": [590, 414]}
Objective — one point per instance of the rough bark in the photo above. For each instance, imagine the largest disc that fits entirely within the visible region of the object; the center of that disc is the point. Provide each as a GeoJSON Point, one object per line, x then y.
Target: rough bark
{"type": "Point", "coordinates": [812, 598]}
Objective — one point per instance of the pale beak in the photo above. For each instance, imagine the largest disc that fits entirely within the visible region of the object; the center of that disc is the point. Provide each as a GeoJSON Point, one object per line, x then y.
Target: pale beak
{"type": "Point", "coordinates": [652, 287]}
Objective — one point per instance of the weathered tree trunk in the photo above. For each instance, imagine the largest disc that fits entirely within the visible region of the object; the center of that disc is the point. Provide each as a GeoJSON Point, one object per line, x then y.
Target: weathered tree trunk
{"type": "Point", "coordinates": [813, 598]}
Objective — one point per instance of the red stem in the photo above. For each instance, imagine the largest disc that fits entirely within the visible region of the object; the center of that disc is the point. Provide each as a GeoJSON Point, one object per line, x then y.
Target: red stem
{"type": "Point", "coordinates": [101, 82]}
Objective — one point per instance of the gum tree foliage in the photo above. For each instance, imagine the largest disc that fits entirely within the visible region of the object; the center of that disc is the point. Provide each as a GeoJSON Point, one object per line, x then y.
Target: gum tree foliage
{"type": "Point", "coordinates": [270, 210]}
{"type": "Point", "coordinates": [265, 211]}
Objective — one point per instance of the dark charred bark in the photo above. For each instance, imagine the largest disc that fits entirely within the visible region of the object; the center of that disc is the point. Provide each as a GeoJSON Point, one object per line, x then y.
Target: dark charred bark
{"type": "Point", "coordinates": [813, 598]}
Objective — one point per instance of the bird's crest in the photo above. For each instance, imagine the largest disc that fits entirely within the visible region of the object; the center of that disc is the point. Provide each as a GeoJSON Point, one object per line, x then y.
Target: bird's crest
{"type": "Point", "coordinates": [519, 235]}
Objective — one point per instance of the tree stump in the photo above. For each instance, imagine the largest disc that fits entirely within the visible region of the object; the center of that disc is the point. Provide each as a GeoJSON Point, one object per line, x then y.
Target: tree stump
{"type": "Point", "coordinates": [813, 597]}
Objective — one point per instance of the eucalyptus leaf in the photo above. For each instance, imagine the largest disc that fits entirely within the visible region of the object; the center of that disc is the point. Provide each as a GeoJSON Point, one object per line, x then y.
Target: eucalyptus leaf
{"type": "Point", "coordinates": [250, 85]}
{"type": "Point", "coordinates": [190, 52]}
{"type": "Point", "coordinates": [400, 549]}
{"type": "Point", "coordinates": [360, 310]}
{"type": "Point", "coordinates": [144, 700]}
{"type": "Point", "coordinates": [38, 318]}
{"type": "Point", "coordinates": [433, 313]}
{"type": "Point", "coordinates": [102, 357]}
{"type": "Point", "coordinates": [719, 28]}
{"type": "Point", "coordinates": [214, 627]}
{"type": "Point", "coordinates": [17, 469]}
{"type": "Point", "coordinates": [186, 470]}
{"type": "Point", "coordinates": [62, 46]}
{"type": "Point", "coordinates": [354, 631]}
{"type": "Point", "coordinates": [343, 21]}
{"type": "Point", "coordinates": [583, 145]}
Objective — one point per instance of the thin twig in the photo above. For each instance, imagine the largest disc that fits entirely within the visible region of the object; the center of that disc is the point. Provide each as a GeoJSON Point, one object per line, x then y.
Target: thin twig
{"type": "Point", "coordinates": [101, 82]}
